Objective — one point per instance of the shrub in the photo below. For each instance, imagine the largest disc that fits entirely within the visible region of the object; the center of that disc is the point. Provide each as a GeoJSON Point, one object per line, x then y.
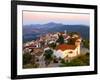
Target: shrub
{"type": "Point", "coordinates": [26, 58]}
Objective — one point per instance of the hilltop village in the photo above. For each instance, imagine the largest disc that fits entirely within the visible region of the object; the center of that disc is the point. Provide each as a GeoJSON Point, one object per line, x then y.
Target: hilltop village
{"type": "Point", "coordinates": [53, 47]}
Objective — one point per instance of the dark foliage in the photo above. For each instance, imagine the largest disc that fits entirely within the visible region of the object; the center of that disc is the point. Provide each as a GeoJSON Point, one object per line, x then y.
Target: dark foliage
{"type": "Point", "coordinates": [60, 39]}
{"type": "Point", "coordinates": [81, 60]}
{"type": "Point", "coordinates": [26, 58]}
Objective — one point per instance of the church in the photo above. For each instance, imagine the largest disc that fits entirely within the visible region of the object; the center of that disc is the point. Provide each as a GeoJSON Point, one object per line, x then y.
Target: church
{"type": "Point", "coordinates": [68, 50]}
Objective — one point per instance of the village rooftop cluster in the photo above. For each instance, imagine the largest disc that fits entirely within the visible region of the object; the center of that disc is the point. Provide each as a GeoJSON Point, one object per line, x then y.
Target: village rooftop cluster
{"type": "Point", "coordinates": [63, 45]}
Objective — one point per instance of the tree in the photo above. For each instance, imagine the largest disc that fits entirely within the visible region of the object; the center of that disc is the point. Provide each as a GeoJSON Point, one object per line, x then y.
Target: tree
{"type": "Point", "coordinates": [86, 43]}
{"type": "Point", "coordinates": [60, 39]}
{"type": "Point", "coordinates": [81, 60]}
{"type": "Point", "coordinates": [52, 45]}
{"type": "Point", "coordinates": [48, 56]}
{"type": "Point", "coordinates": [33, 59]}
{"type": "Point", "coordinates": [72, 33]}
{"type": "Point", "coordinates": [71, 41]}
{"type": "Point", "coordinates": [26, 58]}
{"type": "Point", "coordinates": [29, 61]}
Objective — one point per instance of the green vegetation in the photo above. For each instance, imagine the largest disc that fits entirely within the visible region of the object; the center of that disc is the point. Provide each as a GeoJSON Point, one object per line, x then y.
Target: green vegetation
{"type": "Point", "coordinates": [72, 33]}
{"type": "Point", "coordinates": [30, 66]}
{"type": "Point", "coordinates": [81, 60]}
{"type": "Point", "coordinates": [60, 39]}
{"type": "Point", "coordinates": [86, 43]}
{"type": "Point", "coordinates": [71, 41]}
{"type": "Point", "coordinates": [48, 56]}
{"type": "Point", "coordinates": [26, 58]}
{"type": "Point", "coordinates": [29, 61]}
{"type": "Point", "coordinates": [52, 45]}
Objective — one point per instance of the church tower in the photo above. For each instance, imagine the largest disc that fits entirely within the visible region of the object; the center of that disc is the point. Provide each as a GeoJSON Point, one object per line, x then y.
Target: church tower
{"type": "Point", "coordinates": [77, 44]}
{"type": "Point", "coordinates": [65, 32]}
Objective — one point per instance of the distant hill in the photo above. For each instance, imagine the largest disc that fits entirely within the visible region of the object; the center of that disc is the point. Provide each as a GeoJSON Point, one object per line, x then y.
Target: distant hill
{"type": "Point", "coordinates": [33, 31]}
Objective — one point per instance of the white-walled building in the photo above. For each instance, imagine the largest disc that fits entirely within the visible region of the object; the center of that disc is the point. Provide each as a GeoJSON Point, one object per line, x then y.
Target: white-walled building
{"type": "Point", "coordinates": [68, 50]}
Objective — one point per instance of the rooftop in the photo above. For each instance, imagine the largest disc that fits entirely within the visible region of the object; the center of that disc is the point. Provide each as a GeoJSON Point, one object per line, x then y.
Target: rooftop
{"type": "Point", "coordinates": [64, 47]}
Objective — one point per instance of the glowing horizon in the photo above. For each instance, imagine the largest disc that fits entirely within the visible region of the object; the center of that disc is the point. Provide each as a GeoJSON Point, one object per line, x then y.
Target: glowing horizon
{"type": "Point", "coordinates": [30, 17]}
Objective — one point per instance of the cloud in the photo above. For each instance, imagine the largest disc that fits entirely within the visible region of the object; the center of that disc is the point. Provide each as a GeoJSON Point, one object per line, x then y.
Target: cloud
{"type": "Point", "coordinates": [44, 17]}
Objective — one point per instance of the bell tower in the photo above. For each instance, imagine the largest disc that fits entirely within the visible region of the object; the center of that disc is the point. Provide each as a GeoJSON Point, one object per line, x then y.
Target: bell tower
{"type": "Point", "coordinates": [65, 32]}
{"type": "Point", "coordinates": [77, 44]}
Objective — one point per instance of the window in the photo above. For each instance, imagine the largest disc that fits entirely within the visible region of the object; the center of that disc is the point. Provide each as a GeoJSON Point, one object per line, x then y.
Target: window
{"type": "Point", "coordinates": [70, 52]}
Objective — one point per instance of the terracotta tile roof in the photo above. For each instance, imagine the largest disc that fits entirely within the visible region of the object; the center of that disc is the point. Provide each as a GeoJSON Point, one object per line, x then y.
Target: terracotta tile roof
{"type": "Point", "coordinates": [29, 47]}
{"type": "Point", "coordinates": [64, 47]}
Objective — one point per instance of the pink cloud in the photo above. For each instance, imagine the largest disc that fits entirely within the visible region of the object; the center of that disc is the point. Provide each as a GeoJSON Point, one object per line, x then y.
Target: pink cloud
{"type": "Point", "coordinates": [46, 16]}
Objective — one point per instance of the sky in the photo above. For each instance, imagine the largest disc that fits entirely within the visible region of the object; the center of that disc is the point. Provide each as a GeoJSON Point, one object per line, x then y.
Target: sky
{"type": "Point", "coordinates": [30, 17]}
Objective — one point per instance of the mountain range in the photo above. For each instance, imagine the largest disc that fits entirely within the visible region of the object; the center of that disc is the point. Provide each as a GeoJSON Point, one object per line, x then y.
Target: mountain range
{"type": "Point", "coordinates": [33, 31]}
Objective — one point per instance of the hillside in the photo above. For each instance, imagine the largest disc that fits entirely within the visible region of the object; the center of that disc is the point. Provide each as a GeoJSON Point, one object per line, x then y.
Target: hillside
{"type": "Point", "coordinates": [33, 31]}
